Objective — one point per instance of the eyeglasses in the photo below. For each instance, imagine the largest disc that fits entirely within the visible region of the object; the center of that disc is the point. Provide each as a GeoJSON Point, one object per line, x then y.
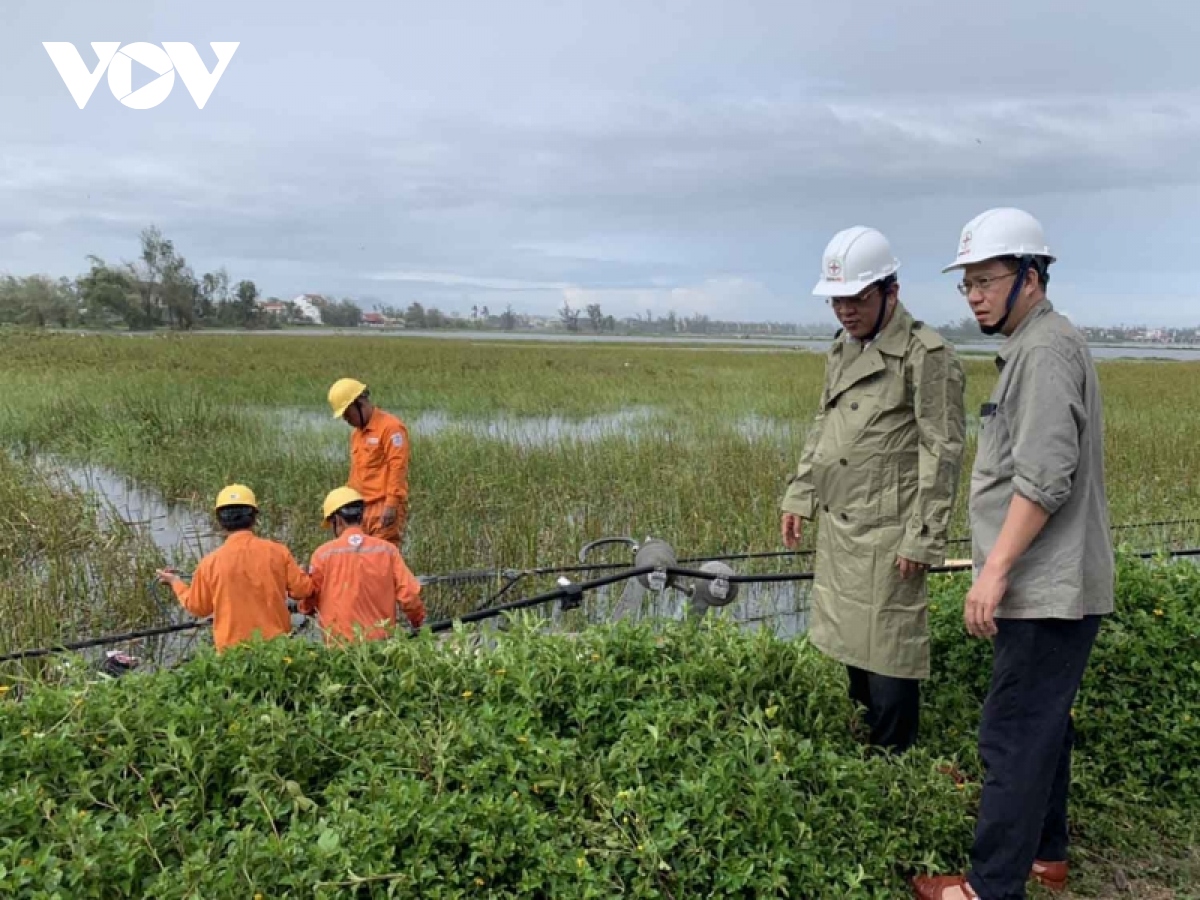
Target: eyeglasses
{"type": "Point", "coordinates": [983, 282]}
{"type": "Point", "coordinates": [856, 302]}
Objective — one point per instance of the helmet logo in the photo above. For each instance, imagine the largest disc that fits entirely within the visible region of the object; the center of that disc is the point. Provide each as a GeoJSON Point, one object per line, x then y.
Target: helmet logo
{"type": "Point", "coordinates": [965, 245]}
{"type": "Point", "coordinates": [834, 269]}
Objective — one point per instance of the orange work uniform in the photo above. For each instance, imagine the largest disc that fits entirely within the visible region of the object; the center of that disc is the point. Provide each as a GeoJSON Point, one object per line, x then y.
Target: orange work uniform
{"type": "Point", "coordinates": [358, 581]}
{"type": "Point", "coordinates": [379, 471]}
{"type": "Point", "coordinates": [244, 585]}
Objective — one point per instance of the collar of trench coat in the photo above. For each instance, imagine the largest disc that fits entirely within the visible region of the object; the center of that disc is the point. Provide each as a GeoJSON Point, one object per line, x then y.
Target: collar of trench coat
{"type": "Point", "coordinates": [893, 341]}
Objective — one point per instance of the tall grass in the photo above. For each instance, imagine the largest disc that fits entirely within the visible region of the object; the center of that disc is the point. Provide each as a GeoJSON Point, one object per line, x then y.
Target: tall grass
{"type": "Point", "coordinates": [61, 574]}
{"type": "Point", "coordinates": [187, 414]}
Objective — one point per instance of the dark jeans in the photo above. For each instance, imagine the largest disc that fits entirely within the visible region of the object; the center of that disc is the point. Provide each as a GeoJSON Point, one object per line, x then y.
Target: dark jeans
{"type": "Point", "coordinates": [1025, 741]}
{"type": "Point", "coordinates": [893, 707]}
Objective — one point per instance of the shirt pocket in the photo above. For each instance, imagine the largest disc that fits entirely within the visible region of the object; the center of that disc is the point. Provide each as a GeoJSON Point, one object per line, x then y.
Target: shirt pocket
{"type": "Point", "coordinates": [369, 456]}
{"type": "Point", "coordinates": [993, 453]}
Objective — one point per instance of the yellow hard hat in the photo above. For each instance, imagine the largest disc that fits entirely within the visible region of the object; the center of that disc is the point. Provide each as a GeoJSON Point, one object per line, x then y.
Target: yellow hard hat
{"type": "Point", "coordinates": [236, 495]}
{"type": "Point", "coordinates": [336, 499]}
{"type": "Point", "coordinates": [344, 392]}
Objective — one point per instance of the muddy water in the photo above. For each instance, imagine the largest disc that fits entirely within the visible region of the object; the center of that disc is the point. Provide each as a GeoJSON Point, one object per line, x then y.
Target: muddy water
{"type": "Point", "coordinates": [175, 530]}
{"type": "Point", "coordinates": [530, 431]}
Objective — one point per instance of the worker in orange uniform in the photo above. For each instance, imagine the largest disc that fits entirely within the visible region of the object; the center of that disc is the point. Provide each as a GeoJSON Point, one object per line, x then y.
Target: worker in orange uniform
{"type": "Point", "coordinates": [378, 459]}
{"type": "Point", "coordinates": [244, 584]}
{"type": "Point", "coordinates": [359, 579]}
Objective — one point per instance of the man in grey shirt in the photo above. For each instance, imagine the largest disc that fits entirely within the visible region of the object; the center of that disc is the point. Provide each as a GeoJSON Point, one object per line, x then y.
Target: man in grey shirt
{"type": "Point", "coordinates": [1042, 552]}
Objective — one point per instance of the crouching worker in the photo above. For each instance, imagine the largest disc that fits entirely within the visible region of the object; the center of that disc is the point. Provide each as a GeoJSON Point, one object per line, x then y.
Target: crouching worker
{"type": "Point", "coordinates": [245, 583]}
{"type": "Point", "coordinates": [359, 579]}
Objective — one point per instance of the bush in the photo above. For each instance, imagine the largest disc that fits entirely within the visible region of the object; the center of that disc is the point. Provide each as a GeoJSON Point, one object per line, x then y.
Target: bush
{"type": "Point", "coordinates": [1137, 716]}
{"type": "Point", "coordinates": [683, 762]}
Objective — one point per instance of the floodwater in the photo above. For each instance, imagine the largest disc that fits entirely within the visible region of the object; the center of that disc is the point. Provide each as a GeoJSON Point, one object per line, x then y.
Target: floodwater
{"type": "Point", "coordinates": [698, 342]}
{"type": "Point", "coordinates": [526, 431]}
{"type": "Point", "coordinates": [175, 530]}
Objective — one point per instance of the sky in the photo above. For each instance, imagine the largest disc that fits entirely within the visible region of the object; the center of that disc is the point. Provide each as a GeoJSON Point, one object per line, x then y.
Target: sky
{"type": "Point", "coordinates": [651, 155]}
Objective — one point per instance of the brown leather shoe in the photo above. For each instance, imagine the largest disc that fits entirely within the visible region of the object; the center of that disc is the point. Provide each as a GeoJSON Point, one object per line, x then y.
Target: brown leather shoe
{"type": "Point", "coordinates": [1052, 875]}
{"type": "Point", "coordinates": [933, 887]}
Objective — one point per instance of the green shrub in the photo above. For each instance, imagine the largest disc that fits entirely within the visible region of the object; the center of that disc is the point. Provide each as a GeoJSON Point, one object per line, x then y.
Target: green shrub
{"type": "Point", "coordinates": [676, 762]}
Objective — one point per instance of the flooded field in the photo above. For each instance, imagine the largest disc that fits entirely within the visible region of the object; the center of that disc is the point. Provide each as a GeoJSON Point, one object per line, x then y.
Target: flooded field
{"type": "Point", "coordinates": [522, 453]}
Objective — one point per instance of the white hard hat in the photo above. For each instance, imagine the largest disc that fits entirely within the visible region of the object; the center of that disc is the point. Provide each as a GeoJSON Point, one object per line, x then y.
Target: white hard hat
{"type": "Point", "coordinates": [854, 260]}
{"type": "Point", "coordinates": [1000, 232]}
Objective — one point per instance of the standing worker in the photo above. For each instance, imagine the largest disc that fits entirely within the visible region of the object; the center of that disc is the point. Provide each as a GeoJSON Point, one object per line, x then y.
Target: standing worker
{"type": "Point", "coordinates": [359, 579]}
{"type": "Point", "coordinates": [243, 584]}
{"type": "Point", "coordinates": [881, 461]}
{"type": "Point", "coordinates": [378, 459]}
{"type": "Point", "coordinates": [1043, 557]}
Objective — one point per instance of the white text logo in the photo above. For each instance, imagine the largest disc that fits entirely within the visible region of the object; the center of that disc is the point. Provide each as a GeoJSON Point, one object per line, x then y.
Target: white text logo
{"type": "Point", "coordinates": [164, 61]}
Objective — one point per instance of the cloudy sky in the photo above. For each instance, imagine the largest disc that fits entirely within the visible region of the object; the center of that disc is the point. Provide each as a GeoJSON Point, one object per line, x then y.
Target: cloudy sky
{"type": "Point", "coordinates": [650, 154]}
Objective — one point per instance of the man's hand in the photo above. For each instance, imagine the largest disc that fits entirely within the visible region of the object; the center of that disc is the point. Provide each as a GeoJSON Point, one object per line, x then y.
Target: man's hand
{"type": "Point", "coordinates": [167, 576]}
{"type": "Point", "coordinates": [388, 519]}
{"type": "Point", "coordinates": [979, 612]}
{"type": "Point", "coordinates": [910, 568]}
{"type": "Point", "coordinates": [791, 526]}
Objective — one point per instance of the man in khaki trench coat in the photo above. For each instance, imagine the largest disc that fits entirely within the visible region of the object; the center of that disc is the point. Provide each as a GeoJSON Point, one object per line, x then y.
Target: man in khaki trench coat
{"type": "Point", "coordinates": [881, 463]}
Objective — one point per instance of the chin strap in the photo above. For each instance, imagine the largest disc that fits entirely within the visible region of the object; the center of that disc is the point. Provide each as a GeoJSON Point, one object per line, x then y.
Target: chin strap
{"type": "Point", "coordinates": [1018, 283]}
{"type": "Point", "coordinates": [883, 308]}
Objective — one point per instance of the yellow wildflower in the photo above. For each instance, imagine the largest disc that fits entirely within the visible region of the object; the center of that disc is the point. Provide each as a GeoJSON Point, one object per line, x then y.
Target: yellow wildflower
{"type": "Point", "coordinates": [467, 695]}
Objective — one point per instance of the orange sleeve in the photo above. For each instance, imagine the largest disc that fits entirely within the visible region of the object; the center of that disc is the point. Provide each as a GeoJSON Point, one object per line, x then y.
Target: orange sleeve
{"type": "Point", "coordinates": [196, 598]}
{"type": "Point", "coordinates": [299, 585]}
{"type": "Point", "coordinates": [396, 486]}
{"type": "Point", "coordinates": [316, 575]}
{"type": "Point", "coordinates": [408, 591]}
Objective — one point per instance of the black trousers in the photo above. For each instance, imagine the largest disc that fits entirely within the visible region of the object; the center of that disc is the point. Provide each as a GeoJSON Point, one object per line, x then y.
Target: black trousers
{"type": "Point", "coordinates": [893, 707]}
{"type": "Point", "coordinates": [1025, 741]}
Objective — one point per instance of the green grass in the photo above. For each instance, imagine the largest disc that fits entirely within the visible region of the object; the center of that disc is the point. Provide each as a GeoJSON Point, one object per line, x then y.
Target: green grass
{"type": "Point", "coordinates": [63, 573]}
{"type": "Point", "coordinates": [188, 414]}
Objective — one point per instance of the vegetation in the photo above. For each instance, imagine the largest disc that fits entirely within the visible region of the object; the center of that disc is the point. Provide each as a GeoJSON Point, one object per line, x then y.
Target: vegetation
{"type": "Point", "coordinates": [658, 763]}
{"type": "Point", "coordinates": [628, 761]}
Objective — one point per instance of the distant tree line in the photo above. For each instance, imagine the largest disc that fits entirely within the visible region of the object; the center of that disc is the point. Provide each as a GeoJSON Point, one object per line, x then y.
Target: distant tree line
{"type": "Point", "coordinates": [158, 289]}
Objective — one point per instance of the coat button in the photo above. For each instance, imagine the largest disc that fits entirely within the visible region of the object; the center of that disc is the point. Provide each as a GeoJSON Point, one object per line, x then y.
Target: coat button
{"type": "Point", "coordinates": [854, 406]}
{"type": "Point", "coordinates": [845, 518]}
{"type": "Point", "coordinates": [826, 507]}
{"type": "Point", "coordinates": [843, 462]}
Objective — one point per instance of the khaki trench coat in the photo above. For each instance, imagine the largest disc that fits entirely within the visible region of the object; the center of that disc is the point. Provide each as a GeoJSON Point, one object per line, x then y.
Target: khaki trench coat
{"type": "Point", "coordinates": [881, 465]}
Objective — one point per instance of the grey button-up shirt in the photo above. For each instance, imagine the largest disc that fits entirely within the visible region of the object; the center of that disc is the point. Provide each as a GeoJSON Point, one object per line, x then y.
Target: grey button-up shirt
{"type": "Point", "coordinates": [1041, 435]}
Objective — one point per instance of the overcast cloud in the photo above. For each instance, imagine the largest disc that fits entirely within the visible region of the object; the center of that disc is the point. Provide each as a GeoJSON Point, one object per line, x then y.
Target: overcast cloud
{"type": "Point", "coordinates": [693, 156]}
